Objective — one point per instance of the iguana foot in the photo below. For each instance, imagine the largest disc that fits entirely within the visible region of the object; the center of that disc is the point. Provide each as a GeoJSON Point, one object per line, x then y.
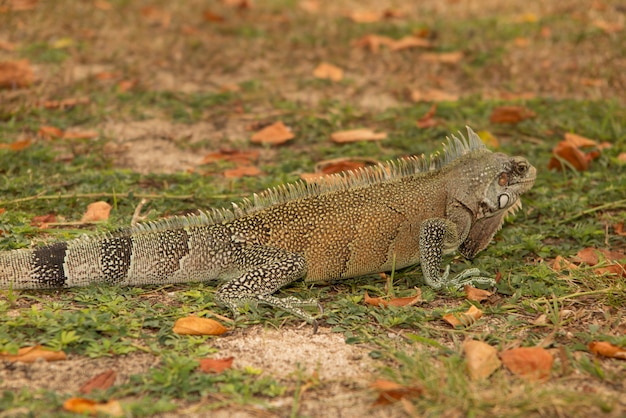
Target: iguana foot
{"type": "Point", "coordinates": [470, 277]}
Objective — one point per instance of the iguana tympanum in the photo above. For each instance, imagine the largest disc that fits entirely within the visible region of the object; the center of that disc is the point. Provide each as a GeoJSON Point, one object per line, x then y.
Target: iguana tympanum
{"type": "Point", "coordinates": [393, 215]}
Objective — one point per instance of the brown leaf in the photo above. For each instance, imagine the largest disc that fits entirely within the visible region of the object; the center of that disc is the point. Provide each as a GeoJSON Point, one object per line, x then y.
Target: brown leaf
{"type": "Point", "coordinates": [50, 132]}
{"type": "Point", "coordinates": [126, 85]}
{"type": "Point", "coordinates": [476, 295]}
{"type": "Point", "coordinates": [18, 145]}
{"type": "Point", "coordinates": [606, 349]}
{"type": "Point", "coordinates": [100, 381]}
{"type": "Point", "coordinates": [433, 95]}
{"type": "Point", "coordinates": [569, 153]}
{"type": "Point", "coordinates": [410, 42]}
{"type": "Point", "coordinates": [97, 211]}
{"type": "Point", "coordinates": [21, 5]}
{"type": "Point", "coordinates": [233, 156]}
{"type": "Point", "coordinates": [481, 359]}
{"type": "Point", "coordinates": [216, 365]}
{"type": "Point", "coordinates": [31, 354]}
{"type": "Point", "coordinates": [619, 229]}
{"type": "Point", "coordinates": [102, 5]}
{"type": "Point", "coordinates": [242, 171]}
{"type": "Point", "coordinates": [209, 16]}
{"type": "Point", "coordinates": [591, 255]}
{"type": "Point", "coordinates": [340, 165]}
{"type": "Point", "coordinates": [533, 363]}
{"type": "Point", "coordinates": [80, 134]}
{"type": "Point", "coordinates": [14, 74]}
{"type": "Point", "coordinates": [560, 263]}
{"type": "Point", "coordinates": [193, 325]}
{"type": "Point", "coordinates": [579, 141]}
{"type": "Point", "coordinates": [390, 392]}
{"type": "Point", "coordinates": [442, 57]}
{"type": "Point", "coordinates": [464, 319]}
{"type": "Point", "coordinates": [365, 16]}
{"type": "Point", "coordinates": [328, 71]}
{"type": "Point", "coordinates": [511, 114]}
{"type": "Point", "coordinates": [7, 46]}
{"type": "Point", "coordinates": [87, 406]}
{"type": "Point", "coordinates": [373, 42]}
{"type": "Point", "coordinates": [157, 16]}
{"type": "Point", "coordinates": [428, 120]}
{"type": "Point", "coordinates": [608, 27]}
{"type": "Point", "coordinates": [42, 221]}
{"type": "Point", "coordinates": [406, 301]}
{"type": "Point", "coordinates": [274, 134]}
{"type": "Point", "coordinates": [355, 135]}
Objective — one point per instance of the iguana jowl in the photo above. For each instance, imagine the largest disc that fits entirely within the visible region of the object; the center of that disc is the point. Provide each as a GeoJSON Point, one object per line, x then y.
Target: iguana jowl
{"type": "Point", "coordinates": [394, 215]}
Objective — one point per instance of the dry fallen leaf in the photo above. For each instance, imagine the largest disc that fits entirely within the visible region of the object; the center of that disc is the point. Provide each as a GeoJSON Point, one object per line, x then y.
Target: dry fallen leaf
{"type": "Point", "coordinates": [87, 406]}
{"type": "Point", "coordinates": [42, 221]}
{"type": "Point", "coordinates": [157, 16]}
{"type": "Point", "coordinates": [216, 365]}
{"type": "Point", "coordinates": [31, 354]}
{"type": "Point", "coordinates": [100, 381]}
{"type": "Point", "coordinates": [242, 171]}
{"type": "Point", "coordinates": [569, 151]}
{"type": "Point", "coordinates": [7, 46]}
{"type": "Point", "coordinates": [489, 139]}
{"type": "Point", "coordinates": [410, 42]}
{"type": "Point", "coordinates": [442, 57]}
{"type": "Point", "coordinates": [328, 71]}
{"type": "Point", "coordinates": [234, 156]}
{"type": "Point", "coordinates": [511, 114]}
{"type": "Point", "coordinates": [615, 260]}
{"type": "Point", "coordinates": [428, 120]}
{"type": "Point", "coordinates": [465, 319]}
{"type": "Point", "coordinates": [608, 27]}
{"type": "Point", "coordinates": [80, 134]}
{"type": "Point", "coordinates": [193, 325]}
{"type": "Point", "coordinates": [18, 145]}
{"type": "Point", "coordinates": [433, 95]}
{"type": "Point", "coordinates": [209, 16]}
{"type": "Point", "coordinates": [606, 349]}
{"type": "Point", "coordinates": [560, 263]}
{"type": "Point", "coordinates": [373, 42]}
{"type": "Point", "coordinates": [97, 211]}
{"type": "Point", "coordinates": [533, 363]}
{"type": "Point", "coordinates": [355, 135]}
{"type": "Point", "coordinates": [390, 392]}
{"type": "Point", "coordinates": [15, 74]}
{"type": "Point", "coordinates": [481, 359]}
{"type": "Point", "coordinates": [406, 301]}
{"type": "Point", "coordinates": [274, 134]}
{"type": "Point", "coordinates": [365, 16]}
{"type": "Point", "coordinates": [50, 132]}
{"type": "Point", "coordinates": [476, 295]}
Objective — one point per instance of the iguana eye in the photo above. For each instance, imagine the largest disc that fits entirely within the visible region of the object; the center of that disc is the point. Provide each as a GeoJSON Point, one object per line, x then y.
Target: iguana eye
{"type": "Point", "coordinates": [521, 168]}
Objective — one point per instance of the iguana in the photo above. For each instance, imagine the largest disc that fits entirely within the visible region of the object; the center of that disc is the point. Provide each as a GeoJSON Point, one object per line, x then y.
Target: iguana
{"type": "Point", "coordinates": [400, 213]}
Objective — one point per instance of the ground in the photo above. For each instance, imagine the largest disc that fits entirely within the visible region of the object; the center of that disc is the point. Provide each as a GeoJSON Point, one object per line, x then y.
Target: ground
{"type": "Point", "coordinates": [167, 83]}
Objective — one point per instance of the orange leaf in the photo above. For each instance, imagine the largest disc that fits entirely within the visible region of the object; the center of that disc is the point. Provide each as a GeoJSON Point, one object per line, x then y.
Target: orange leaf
{"type": "Point", "coordinates": [365, 17]}
{"type": "Point", "coordinates": [7, 46]}
{"type": "Point", "coordinates": [390, 392]}
{"type": "Point", "coordinates": [428, 120]}
{"type": "Point", "coordinates": [102, 5]}
{"type": "Point", "coordinates": [101, 381]}
{"type": "Point", "coordinates": [235, 156]}
{"type": "Point", "coordinates": [406, 301]}
{"type": "Point", "coordinates": [477, 295]}
{"type": "Point", "coordinates": [18, 145]}
{"type": "Point", "coordinates": [465, 319]}
{"type": "Point", "coordinates": [193, 325]}
{"type": "Point", "coordinates": [481, 359]}
{"type": "Point", "coordinates": [16, 74]}
{"type": "Point", "coordinates": [31, 354]}
{"type": "Point", "coordinates": [511, 114]}
{"type": "Point", "coordinates": [328, 71]}
{"type": "Point", "coordinates": [212, 17]}
{"type": "Point", "coordinates": [242, 171]}
{"type": "Point", "coordinates": [442, 57]}
{"type": "Point", "coordinates": [126, 85]}
{"type": "Point", "coordinates": [433, 95]}
{"type": "Point", "coordinates": [621, 157]}
{"type": "Point", "coordinates": [560, 264]}
{"type": "Point", "coordinates": [606, 349]}
{"type": "Point", "coordinates": [42, 221]}
{"type": "Point", "coordinates": [410, 42]}
{"type": "Point", "coordinates": [87, 406]}
{"type": "Point", "coordinates": [354, 135]}
{"type": "Point", "coordinates": [579, 141]}
{"type": "Point", "coordinates": [373, 42]}
{"type": "Point", "coordinates": [80, 134]}
{"type": "Point", "coordinates": [218, 365]}
{"type": "Point", "coordinates": [50, 132]}
{"type": "Point", "coordinates": [533, 363]}
{"type": "Point", "coordinates": [591, 256]}
{"type": "Point", "coordinates": [97, 211]}
{"type": "Point", "coordinates": [571, 154]}
{"type": "Point", "coordinates": [274, 134]}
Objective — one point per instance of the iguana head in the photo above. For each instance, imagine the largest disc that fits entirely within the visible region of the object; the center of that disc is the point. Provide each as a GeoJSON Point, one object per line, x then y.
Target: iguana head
{"type": "Point", "coordinates": [497, 187]}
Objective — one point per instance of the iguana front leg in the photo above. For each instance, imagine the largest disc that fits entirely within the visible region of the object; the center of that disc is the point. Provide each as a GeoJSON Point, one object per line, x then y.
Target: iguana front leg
{"type": "Point", "coordinates": [438, 236]}
{"type": "Point", "coordinates": [265, 270]}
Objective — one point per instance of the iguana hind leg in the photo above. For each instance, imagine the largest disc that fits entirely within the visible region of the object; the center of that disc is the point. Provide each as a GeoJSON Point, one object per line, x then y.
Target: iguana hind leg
{"type": "Point", "coordinates": [258, 282]}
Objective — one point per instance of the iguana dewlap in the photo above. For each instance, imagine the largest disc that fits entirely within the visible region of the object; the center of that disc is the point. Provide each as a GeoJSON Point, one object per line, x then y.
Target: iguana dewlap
{"type": "Point", "coordinates": [394, 215]}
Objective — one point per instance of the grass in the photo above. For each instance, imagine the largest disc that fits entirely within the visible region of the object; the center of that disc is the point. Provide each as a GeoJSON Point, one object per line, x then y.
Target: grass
{"type": "Point", "coordinates": [102, 326]}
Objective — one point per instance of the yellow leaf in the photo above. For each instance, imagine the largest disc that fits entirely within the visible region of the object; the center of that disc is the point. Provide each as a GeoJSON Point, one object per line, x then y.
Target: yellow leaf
{"type": "Point", "coordinates": [97, 211]}
{"type": "Point", "coordinates": [31, 354]}
{"type": "Point", "coordinates": [481, 359]}
{"type": "Point", "coordinates": [193, 325]}
{"type": "Point", "coordinates": [82, 406]}
{"type": "Point", "coordinates": [354, 135]}
{"type": "Point", "coordinates": [62, 43]}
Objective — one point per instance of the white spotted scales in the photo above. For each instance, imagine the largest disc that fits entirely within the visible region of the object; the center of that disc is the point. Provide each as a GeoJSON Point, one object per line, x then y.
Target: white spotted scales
{"type": "Point", "coordinates": [393, 215]}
